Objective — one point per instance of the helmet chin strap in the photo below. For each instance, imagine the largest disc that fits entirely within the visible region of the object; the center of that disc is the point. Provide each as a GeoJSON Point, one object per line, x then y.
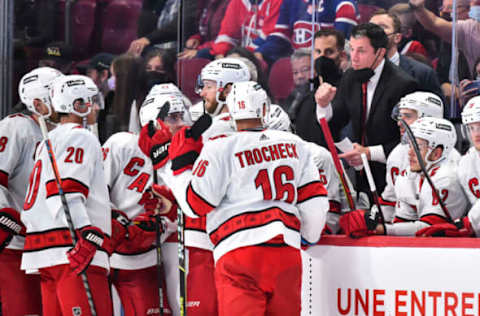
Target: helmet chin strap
{"type": "Point", "coordinates": [429, 163]}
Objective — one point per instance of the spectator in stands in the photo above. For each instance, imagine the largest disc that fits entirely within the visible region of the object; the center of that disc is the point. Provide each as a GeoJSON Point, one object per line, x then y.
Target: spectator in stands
{"type": "Point", "coordinates": [329, 43]}
{"type": "Point", "coordinates": [467, 40]}
{"type": "Point", "coordinates": [248, 23]}
{"type": "Point", "coordinates": [160, 63]}
{"type": "Point", "coordinates": [295, 20]}
{"type": "Point", "coordinates": [426, 77]}
{"type": "Point", "coordinates": [210, 19]}
{"type": "Point", "coordinates": [301, 70]}
{"type": "Point", "coordinates": [445, 50]}
{"type": "Point", "coordinates": [57, 55]}
{"type": "Point", "coordinates": [98, 68]}
{"type": "Point", "coordinates": [158, 24]}
{"type": "Point", "coordinates": [34, 22]}
{"type": "Point", "coordinates": [408, 43]}
{"type": "Point", "coordinates": [130, 88]}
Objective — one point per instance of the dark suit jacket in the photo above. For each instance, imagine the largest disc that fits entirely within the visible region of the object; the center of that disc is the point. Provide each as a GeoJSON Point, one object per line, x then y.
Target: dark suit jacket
{"type": "Point", "coordinates": [425, 75]}
{"type": "Point", "coordinates": [381, 128]}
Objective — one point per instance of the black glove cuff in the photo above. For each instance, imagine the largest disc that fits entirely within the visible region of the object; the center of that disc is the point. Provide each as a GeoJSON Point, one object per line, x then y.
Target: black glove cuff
{"type": "Point", "coordinates": [159, 152]}
{"type": "Point", "coordinates": [184, 160]}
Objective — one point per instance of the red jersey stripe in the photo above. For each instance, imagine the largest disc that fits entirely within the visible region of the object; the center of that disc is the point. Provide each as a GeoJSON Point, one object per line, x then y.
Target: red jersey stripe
{"type": "Point", "coordinates": [69, 185]}
{"type": "Point", "coordinates": [310, 190]}
{"type": "Point", "coordinates": [198, 205]}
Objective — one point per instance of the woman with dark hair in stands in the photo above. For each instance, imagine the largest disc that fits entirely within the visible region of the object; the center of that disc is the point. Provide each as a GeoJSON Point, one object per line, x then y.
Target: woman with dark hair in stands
{"type": "Point", "coordinates": [161, 62]}
{"type": "Point", "coordinates": [130, 88]}
{"type": "Point", "coordinates": [210, 15]}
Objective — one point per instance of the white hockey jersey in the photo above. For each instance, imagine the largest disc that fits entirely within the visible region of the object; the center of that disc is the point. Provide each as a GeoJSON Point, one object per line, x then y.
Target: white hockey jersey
{"type": "Point", "coordinates": [397, 164]}
{"type": "Point", "coordinates": [195, 228]}
{"type": "Point", "coordinates": [79, 159]}
{"type": "Point", "coordinates": [254, 186]}
{"type": "Point", "coordinates": [428, 208]}
{"type": "Point", "coordinates": [469, 174]}
{"type": "Point", "coordinates": [19, 137]}
{"type": "Point", "coordinates": [128, 174]}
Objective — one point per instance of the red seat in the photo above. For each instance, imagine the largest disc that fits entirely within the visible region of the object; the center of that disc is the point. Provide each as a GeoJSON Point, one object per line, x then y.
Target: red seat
{"type": "Point", "coordinates": [187, 73]}
{"type": "Point", "coordinates": [119, 19]}
{"type": "Point", "coordinates": [83, 24]}
{"type": "Point", "coordinates": [366, 11]}
{"type": "Point", "coordinates": [280, 79]}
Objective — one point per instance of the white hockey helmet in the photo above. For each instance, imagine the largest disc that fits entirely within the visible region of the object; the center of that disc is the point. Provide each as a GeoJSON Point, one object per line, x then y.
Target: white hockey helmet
{"type": "Point", "coordinates": [35, 85]}
{"type": "Point", "coordinates": [224, 71]}
{"type": "Point", "coordinates": [426, 104]}
{"type": "Point", "coordinates": [471, 111]}
{"type": "Point", "coordinates": [437, 132]}
{"type": "Point", "coordinates": [278, 119]}
{"type": "Point", "coordinates": [160, 106]}
{"type": "Point", "coordinates": [66, 91]}
{"type": "Point", "coordinates": [169, 88]}
{"type": "Point", "coordinates": [247, 100]}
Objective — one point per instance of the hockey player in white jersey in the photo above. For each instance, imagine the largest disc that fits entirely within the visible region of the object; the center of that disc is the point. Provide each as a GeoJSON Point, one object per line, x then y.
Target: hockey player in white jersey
{"type": "Point", "coordinates": [48, 245]}
{"type": "Point", "coordinates": [410, 108]}
{"type": "Point", "coordinates": [129, 176]}
{"type": "Point", "coordinates": [469, 176]}
{"type": "Point", "coordinates": [19, 136]}
{"type": "Point", "coordinates": [436, 138]}
{"type": "Point", "coordinates": [277, 119]}
{"type": "Point", "coordinates": [214, 83]}
{"type": "Point", "coordinates": [260, 192]}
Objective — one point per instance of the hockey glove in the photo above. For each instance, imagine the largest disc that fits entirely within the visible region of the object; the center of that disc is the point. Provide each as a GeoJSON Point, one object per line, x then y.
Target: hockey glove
{"type": "Point", "coordinates": [120, 223]}
{"type": "Point", "coordinates": [155, 142]}
{"type": "Point", "coordinates": [89, 240]}
{"type": "Point", "coordinates": [359, 223]}
{"type": "Point", "coordinates": [10, 225]}
{"type": "Point", "coordinates": [460, 228]}
{"type": "Point", "coordinates": [141, 234]}
{"type": "Point", "coordinates": [187, 144]}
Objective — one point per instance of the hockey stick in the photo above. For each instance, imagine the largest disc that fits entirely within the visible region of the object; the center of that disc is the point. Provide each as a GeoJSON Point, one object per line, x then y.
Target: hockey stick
{"type": "Point", "coordinates": [68, 216]}
{"type": "Point", "coordinates": [371, 184]}
{"type": "Point", "coordinates": [158, 250]}
{"type": "Point", "coordinates": [424, 170]}
{"type": "Point", "coordinates": [182, 262]}
{"type": "Point", "coordinates": [336, 162]}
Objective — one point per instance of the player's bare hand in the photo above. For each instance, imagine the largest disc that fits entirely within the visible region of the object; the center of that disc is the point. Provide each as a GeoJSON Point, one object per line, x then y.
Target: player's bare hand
{"type": "Point", "coordinates": [165, 206]}
{"type": "Point", "coordinates": [325, 94]}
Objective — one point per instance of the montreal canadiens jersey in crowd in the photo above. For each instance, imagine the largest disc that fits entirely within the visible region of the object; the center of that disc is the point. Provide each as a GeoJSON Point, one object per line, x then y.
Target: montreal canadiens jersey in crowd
{"type": "Point", "coordinates": [19, 137]}
{"type": "Point", "coordinates": [295, 20]}
{"type": "Point", "coordinates": [248, 25]}
{"type": "Point", "coordinates": [254, 186]}
{"type": "Point", "coordinates": [128, 173]}
{"type": "Point", "coordinates": [469, 174]}
{"type": "Point", "coordinates": [429, 210]}
{"type": "Point", "coordinates": [79, 159]}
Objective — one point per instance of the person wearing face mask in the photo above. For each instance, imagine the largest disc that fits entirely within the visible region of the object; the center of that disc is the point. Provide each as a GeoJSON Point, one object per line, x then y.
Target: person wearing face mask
{"type": "Point", "coordinates": [425, 75]}
{"type": "Point", "coordinates": [467, 39]}
{"type": "Point", "coordinates": [328, 52]}
{"type": "Point", "coordinates": [366, 95]}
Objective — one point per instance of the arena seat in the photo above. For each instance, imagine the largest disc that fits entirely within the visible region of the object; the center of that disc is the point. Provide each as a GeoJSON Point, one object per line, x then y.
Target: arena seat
{"type": "Point", "coordinates": [280, 79]}
{"type": "Point", "coordinates": [187, 73]}
{"type": "Point", "coordinates": [119, 20]}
